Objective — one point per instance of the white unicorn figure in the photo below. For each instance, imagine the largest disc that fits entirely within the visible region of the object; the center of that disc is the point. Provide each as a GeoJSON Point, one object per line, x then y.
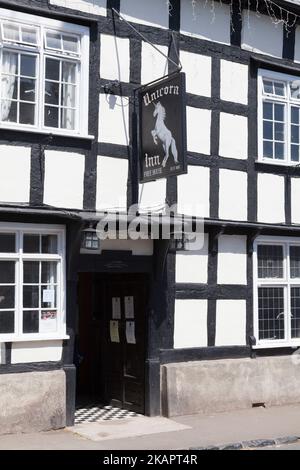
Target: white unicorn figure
{"type": "Point", "coordinates": [163, 133]}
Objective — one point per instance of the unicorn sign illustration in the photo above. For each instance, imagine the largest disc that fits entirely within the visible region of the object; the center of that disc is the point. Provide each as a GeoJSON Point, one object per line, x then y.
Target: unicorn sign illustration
{"type": "Point", "coordinates": [164, 134]}
{"type": "Point", "coordinates": [162, 128]}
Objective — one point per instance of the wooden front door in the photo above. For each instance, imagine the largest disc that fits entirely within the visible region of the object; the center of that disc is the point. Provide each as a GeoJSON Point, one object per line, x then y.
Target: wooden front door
{"type": "Point", "coordinates": [125, 331]}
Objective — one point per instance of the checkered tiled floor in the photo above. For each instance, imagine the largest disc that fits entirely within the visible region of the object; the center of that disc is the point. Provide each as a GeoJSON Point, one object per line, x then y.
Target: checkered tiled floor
{"type": "Point", "coordinates": [94, 413]}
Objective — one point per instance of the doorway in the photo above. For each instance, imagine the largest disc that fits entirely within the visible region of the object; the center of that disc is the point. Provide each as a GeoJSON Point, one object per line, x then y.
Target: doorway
{"type": "Point", "coordinates": [110, 347]}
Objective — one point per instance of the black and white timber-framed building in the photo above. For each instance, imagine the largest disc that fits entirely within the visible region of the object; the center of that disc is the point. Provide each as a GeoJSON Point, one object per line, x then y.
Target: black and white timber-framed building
{"type": "Point", "coordinates": [152, 329]}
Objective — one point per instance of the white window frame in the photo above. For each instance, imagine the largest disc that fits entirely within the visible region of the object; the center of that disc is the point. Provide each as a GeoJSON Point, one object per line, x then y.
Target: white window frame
{"type": "Point", "coordinates": [81, 127]}
{"type": "Point", "coordinates": [19, 257]}
{"type": "Point", "coordinates": [286, 282]}
{"type": "Point", "coordinates": [288, 101]}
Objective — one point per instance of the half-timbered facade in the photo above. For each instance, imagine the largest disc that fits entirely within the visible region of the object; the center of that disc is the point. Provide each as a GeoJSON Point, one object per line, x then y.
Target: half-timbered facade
{"type": "Point", "coordinates": [145, 326]}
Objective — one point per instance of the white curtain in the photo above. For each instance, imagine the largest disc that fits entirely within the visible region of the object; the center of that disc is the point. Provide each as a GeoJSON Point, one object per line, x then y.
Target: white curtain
{"type": "Point", "coordinates": [9, 66]}
{"type": "Point", "coordinates": [69, 96]}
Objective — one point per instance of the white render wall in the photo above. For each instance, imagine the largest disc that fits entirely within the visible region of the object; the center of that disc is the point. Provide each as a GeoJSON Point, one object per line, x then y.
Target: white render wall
{"type": "Point", "coordinates": [64, 177]}
{"type": "Point", "coordinates": [234, 82]}
{"type": "Point", "coordinates": [113, 119]}
{"type": "Point", "coordinates": [261, 35]}
{"type": "Point", "coordinates": [270, 198]}
{"type": "Point", "coordinates": [154, 65]}
{"type": "Point", "coordinates": [297, 45]}
{"type": "Point", "coordinates": [198, 123]}
{"type": "Point", "coordinates": [233, 195]}
{"type": "Point", "coordinates": [232, 259]}
{"type": "Point", "coordinates": [114, 58]}
{"type": "Point", "coordinates": [152, 196]}
{"type": "Point", "coordinates": [233, 136]}
{"type": "Point", "coordinates": [191, 266]}
{"type": "Point", "coordinates": [190, 323]}
{"type": "Point", "coordinates": [197, 68]}
{"type": "Point", "coordinates": [36, 351]}
{"type": "Point", "coordinates": [295, 198]}
{"type": "Point", "coordinates": [15, 164]}
{"type": "Point", "coordinates": [199, 21]}
{"type": "Point", "coordinates": [112, 175]}
{"type": "Point", "coordinates": [193, 192]}
{"type": "Point", "coordinates": [231, 323]}
{"type": "Point", "coordinates": [154, 13]}
{"type": "Point", "coordinates": [94, 7]}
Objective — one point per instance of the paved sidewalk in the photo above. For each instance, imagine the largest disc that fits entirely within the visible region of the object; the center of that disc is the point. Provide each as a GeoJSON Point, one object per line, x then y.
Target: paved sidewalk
{"type": "Point", "coordinates": [160, 433]}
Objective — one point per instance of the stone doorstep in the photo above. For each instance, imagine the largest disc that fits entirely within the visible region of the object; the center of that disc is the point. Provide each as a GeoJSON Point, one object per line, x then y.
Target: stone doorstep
{"type": "Point", "coordinates": [255, 443]}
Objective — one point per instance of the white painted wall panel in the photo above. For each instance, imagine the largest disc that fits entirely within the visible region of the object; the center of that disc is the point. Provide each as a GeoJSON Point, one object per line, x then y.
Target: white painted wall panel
{"type": "Point", "coordinates": [36, 351]}
{"type": "Point", "coordinates": [154, 13]}
{"type": "Point", "coordinates": [190, 323]}
{"type": "Point", "coordinates": [152, 196]}
{"type": "Point", "coordinates": [193, 192]}
{"type": "Point", "coordinates": [231, 323]}
{"type": "Point", "coordinates": [15, 164]}
{"type": "Point", "coordinates": [234, 82]}
{"type": "Point", "coordinates": [112, 175]}
{"type": "Point", "coordinates": [233, 195]}
{"type": "Point", "coordinates": [113, 119]}
{"type": "Point", "coordinates": [260, 34]}
{"type": "Point", "coordinates": [205, 22]}
{"type": "Point", "coordinates": [232, 259]}
{"type": "Point", "coordinates": [154, 65]}
{"type": "Point", "coordinates": [191, 266]}
{"type": "Point", "coordinates": [94, 7]}
{"type": "Point", "coordinates": [297, 45]}
{"type": "Point", "coordinates": [270, 198]}
{"type": "Point", "coordinates": [295, 198]}
{"type": "Point", "coordinates": [114, 58]}
{"type": "Point", "coordinates": [64, 179]}
{"type": "Point", "coordinates": [197, 68]}
{"type": "Point", "coordinates": [233, 136]}
{"type": "Point", "coordinates": [198, 123]}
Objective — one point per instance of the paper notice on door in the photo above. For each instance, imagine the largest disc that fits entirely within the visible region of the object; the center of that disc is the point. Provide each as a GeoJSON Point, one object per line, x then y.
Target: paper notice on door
{"type": "Point", "coordinates": [116, 308]}
{"type": "Point", "coordinates": [130, 332]}
{"type": "Point", "coordinates": [114, 331]}
{"type": "Point", "coordinates": [129, 307]}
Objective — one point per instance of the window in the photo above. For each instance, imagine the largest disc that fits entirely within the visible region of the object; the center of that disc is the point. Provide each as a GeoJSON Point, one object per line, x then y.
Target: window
{"type": "Point", "coordinates": [277, 291]}
{"type": "Point", "coordinates": [279, 117]}
{"type": "Point", "coordinates": [31, 282]}
{"type": "Point", "coordinates": [43, 74]}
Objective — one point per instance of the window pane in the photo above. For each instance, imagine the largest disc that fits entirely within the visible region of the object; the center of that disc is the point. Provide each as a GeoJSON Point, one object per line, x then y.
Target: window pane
{"type": "Point", "coordinates": [271, 312]}
{"type": "Point", "coordinates": [279, 131]}
{"type": "Point", "coordinates": [270, 261]}
{"type": "Point", "coordinates": [31, 321]}
{"type": "Point", "coordinates": [53, 40]}
{"type": "Point", "coordinates": [295, 153]}
{"type": "Point", "coordinates": [28, 64]}
{"type": "Point", "coordinates": [29, 34]}
{"type": "Point", "coordinates": [7, 272]}
{"type": "Point", "coordinates": [49, 244]}
{"type": "Point", "coordinates": [31, 272]}
{"type": "Point", "coordinates": [49, 272]}
{"type": "Point", "coordinates": [68, 96]}
{"type": "Point", "coordinates": [52, 69]}
{"type": "Point", "coordinates": [268, 149]}
{"type": "Point", "coordinates": [7, 322]}
{"type": "Point", "coordinates": [279, 112]}
{"type": "Point", "coordinates": [27, 113]}
{"type": "Point", "coordinates": [31, 296]}
{"type": "Point", "coordinates": [295, 115]}
{"type": "Point", "coordinates": [69, 72]}
{"type": "Point", "coordinates": [279, 151]}
{"type": "Point", "coordinates": [52, 93]}
{"type": "Point", "coordinates": [51, 116]}
{"type": "Point", "coordinates": [27, 89]}
{"type": "Point", "coordinates": [9, 87]}
{"type": "Point", "coordinates": [9, 63]}
{"type": "Point", "coordinates": [295, 89]}
{"type": "Point", "coordinates": [31, 243]}
{"type": "Point", "coordinates": [7, 243]}
{"type": "Point", "coordinates": [268, 111]}
{"type": "Point", "coordinates": [11, 32]}
{"type": "Point", "coordinates": [268, 86]}
{"type": "Point", "coordinates": [70, 44]}
{"type": "Point", "coordinates": [7, 297]}
{"type": "Point", "coordinates": [295, 134]}
{"type": "Point", "coordinates": [295, 312]}
{"type": "Point", "coordinates": [295, 261]}
{"type": "Point", "coordinates": [268, 130]}
{"type": "Point", "coordinates": [9, 111]}
{"type": "Point", "coordinates": [279, 89]}
{"type": "Point", "coordinates": [67, 118]}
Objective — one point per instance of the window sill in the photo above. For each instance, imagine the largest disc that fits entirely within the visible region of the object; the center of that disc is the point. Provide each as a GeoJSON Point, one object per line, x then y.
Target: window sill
{"type": "Point", "coordinates": [278, 163]}
{"type": "Point", "coordinates": [33, 337]}
{"type": "Point", "coordinates": [277, 345]}
{"type": "Point", "coordinates": [47, 133]}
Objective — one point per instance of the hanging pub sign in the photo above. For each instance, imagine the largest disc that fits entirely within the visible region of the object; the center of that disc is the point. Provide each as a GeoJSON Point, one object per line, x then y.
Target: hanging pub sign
{"type": "Point", "coordinates": [163, 128]}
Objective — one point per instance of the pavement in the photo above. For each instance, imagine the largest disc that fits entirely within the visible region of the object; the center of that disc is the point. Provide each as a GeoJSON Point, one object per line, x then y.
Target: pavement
{"type": "Point", "coordinates": [279, 426]}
